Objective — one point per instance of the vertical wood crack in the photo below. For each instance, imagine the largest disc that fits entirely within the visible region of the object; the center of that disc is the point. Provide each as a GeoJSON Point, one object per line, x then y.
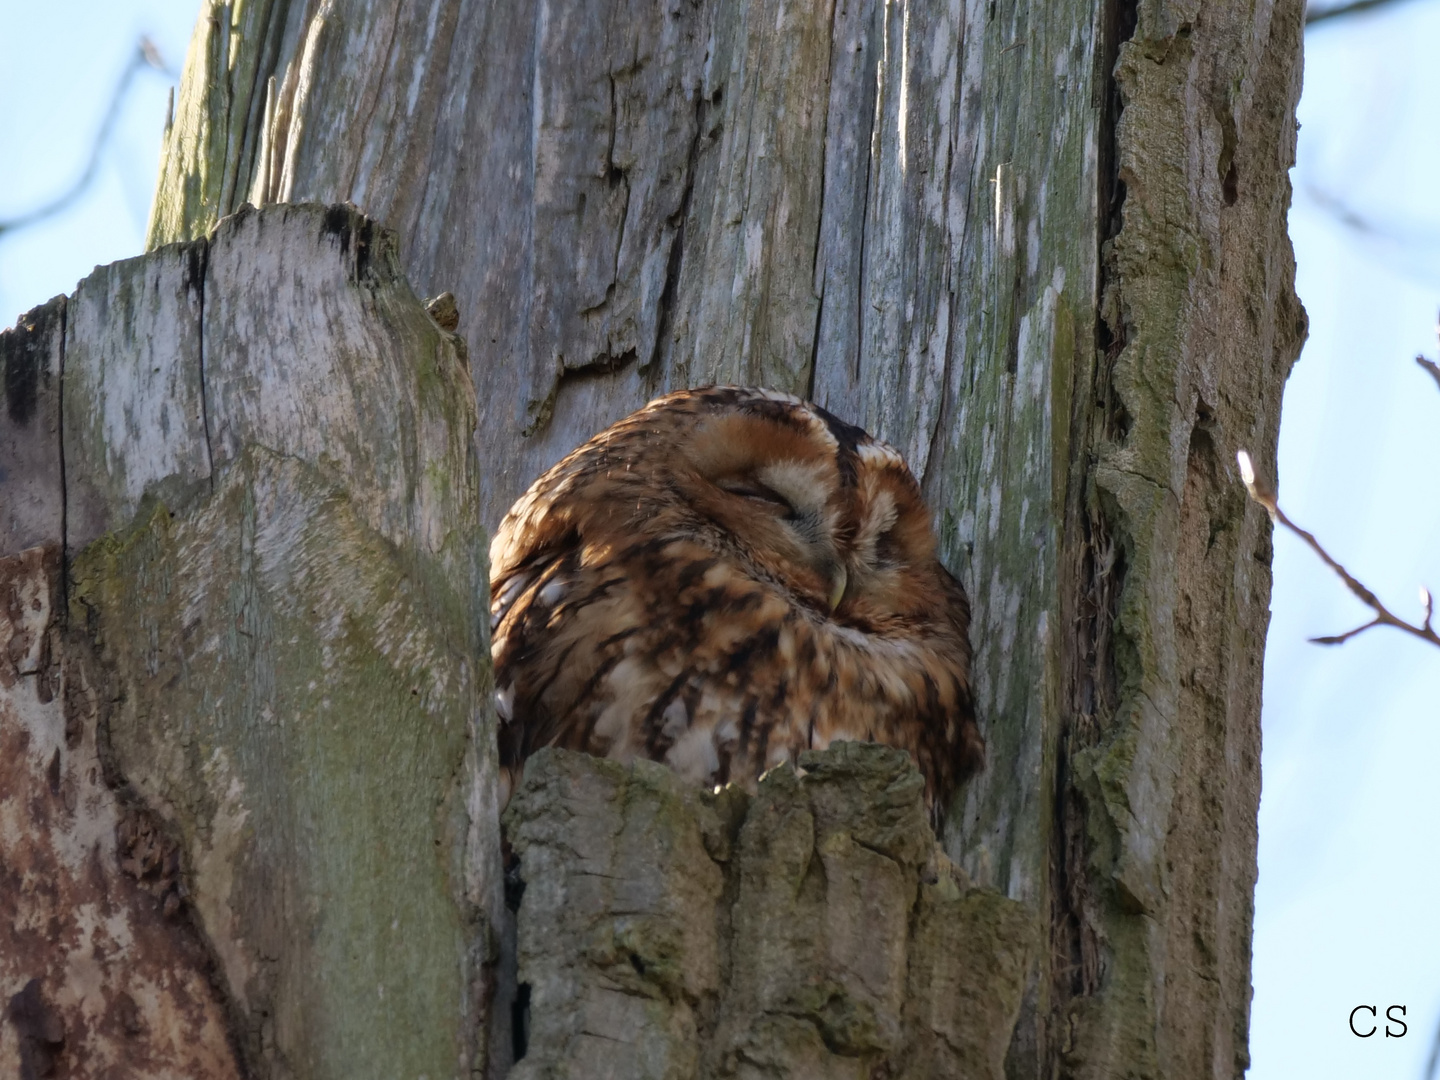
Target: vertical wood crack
{"type": "Point", "coordinates": [870, 166]}
{"type": "Point", "coordinates": [1094, 567]}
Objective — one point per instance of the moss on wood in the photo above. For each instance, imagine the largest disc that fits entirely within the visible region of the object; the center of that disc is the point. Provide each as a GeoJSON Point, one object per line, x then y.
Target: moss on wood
{"type": "Point", "coordinates": [813, 930]}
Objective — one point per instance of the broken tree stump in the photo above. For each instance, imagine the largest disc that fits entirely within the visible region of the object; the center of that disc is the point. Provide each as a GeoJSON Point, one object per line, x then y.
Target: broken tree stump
{"type": "Point", "coordinates": [242, 609]}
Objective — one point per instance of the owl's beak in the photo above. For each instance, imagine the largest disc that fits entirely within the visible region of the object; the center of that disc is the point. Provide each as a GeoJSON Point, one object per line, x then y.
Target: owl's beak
{"type": "Point", "coordinates": [837, 586]}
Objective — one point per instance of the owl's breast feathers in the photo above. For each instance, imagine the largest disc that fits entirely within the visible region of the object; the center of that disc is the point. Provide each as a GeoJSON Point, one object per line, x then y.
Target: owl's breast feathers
{"type": "Point", "coordinates": [627, 622]}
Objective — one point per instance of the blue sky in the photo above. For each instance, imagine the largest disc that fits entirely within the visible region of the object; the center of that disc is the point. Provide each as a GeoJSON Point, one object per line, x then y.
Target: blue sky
{"type": "Point", "coordinates": [59, 65]}
{"type": "Point", "coordinates": [1349, 892]}
{"type": "Point", "coordinates": [1346, 909]}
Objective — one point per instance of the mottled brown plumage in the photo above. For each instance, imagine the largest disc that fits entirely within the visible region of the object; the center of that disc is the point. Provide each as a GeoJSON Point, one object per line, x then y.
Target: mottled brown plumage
{"type": "Point", "coordinates": [721, 580]}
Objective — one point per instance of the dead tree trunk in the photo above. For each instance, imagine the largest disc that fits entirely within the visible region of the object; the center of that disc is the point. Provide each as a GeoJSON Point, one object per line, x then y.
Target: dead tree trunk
{"type": "Point", "coordinates": [244, 588]}
{"type": "Point", "coordinates": [1041, 249]}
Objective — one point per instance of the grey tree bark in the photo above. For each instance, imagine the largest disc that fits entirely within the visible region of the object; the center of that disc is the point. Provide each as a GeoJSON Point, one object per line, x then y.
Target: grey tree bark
{"type": "Point", "coordinates": [241, 696]}
{"type": "Point", "coordinates": [1039, 248]}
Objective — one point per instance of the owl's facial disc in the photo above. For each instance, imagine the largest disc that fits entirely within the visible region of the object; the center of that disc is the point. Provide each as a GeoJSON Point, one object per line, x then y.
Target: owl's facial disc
{"type": "Point", "coordinates": [808, 489]}
{"type": "Point", "coordinates": [777, 492]}
{"type": "Point", "coordinates": [788, 499]}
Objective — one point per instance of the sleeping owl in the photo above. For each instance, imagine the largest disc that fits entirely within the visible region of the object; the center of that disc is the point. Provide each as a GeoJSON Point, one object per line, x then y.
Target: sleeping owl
{"type": "Point", "coordinates": [721, 580]}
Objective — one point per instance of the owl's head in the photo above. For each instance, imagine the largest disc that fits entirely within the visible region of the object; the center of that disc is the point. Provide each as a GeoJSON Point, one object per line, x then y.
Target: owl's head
{"type": "Point", "coordinates": [815, 504]}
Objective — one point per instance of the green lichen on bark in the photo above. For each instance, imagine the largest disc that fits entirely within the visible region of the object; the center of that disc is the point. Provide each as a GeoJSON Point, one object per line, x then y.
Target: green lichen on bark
{"type": "Point", "coordinates": [283, 580]}
{"type": "Point", "coordinates": [1041, 249]}
{"type": "Point", "coordinates": [1200, 326]}
{"type": "Point", "coordinates": [212, 139]}
{"type": "Point", "coordinates": [811, 929]}
{"type": "Point", "coordinates": [302, 759]}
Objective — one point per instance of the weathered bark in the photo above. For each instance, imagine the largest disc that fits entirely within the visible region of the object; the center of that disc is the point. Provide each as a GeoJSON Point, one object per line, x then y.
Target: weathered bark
{"type": "Point", "coordinates": [1039, 248]}
{"type": "Point", "coordinates": [814, 930]}
{"type": "Point", "coordinates": [99, 968]}
{"type": "Point", "coordinates": [241, 775]}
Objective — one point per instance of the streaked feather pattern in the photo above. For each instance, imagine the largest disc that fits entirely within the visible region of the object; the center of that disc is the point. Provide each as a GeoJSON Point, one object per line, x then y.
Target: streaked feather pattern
{"type": "Point", "coordinates": [722, 579]}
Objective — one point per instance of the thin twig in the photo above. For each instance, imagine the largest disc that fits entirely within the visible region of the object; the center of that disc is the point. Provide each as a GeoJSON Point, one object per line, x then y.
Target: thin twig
{"type": "Point", "coordinates": [1430, 366]}
{"type": "Point", "coordinates": [1357, 7]}
{"type": "Point", "coordinates": [146, 55]}
{"type": "Point", "coordinates": [1409, 234]}
{"type": "Point", "coordinates": [1383, 615]}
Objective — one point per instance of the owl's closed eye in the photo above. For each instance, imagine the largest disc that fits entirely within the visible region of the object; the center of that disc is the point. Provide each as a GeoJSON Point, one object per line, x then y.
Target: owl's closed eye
{"type": "Point", "coordinates": [721, 580]}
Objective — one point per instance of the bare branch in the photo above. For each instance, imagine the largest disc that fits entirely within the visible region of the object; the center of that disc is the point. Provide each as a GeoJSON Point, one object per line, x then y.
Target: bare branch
{"type": "Point", "coordinates": [146, 55]}
{"type": "Point", "coordinates": [1266, 497]}
{"type": "Point", "coordinates": [1407, 234]}
{"type": "Point", "coordinates": [1340, 639]}
{"type": "Point", "coordinates": [1434, 370]}
{"type": "Point", "coordinates": [1356, 7]}
{"type": "Point", "coordinates": [1430, 366]}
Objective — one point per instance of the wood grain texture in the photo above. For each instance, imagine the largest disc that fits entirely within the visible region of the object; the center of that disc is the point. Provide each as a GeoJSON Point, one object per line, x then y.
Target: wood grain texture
{"type": "Point", "coordinates": [136, 417]}
{"type": "Point", "coordinates": [1039, 248]}
{"type": "Point", "coordinates": [381, 399]}
{"type": "Point", "coordinates": [270, 640]}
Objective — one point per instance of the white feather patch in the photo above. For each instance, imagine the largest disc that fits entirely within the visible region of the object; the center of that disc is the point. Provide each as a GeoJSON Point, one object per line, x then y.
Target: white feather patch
{"type": "Point", "coordinates": [876, 452]}
{"type": "Point", "coordinates": [804, 484]}
{"type": "Point", "coordinates": [694, 756]}
{"type": "Point", "coordinates": [677, 720]}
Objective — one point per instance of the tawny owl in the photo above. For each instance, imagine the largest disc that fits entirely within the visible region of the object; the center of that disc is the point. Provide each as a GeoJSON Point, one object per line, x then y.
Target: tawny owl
{"type": "Point", "coordinates": [721, 580]}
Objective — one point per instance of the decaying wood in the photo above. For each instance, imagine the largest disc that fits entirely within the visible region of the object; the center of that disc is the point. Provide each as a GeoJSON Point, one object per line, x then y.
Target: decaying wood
{"type": "Point", "coordinates": [99, 970]}
{"type": "Point", "coordinates": [244, 750]}
{"type": "Point", "coordinates": [1040, 248]}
